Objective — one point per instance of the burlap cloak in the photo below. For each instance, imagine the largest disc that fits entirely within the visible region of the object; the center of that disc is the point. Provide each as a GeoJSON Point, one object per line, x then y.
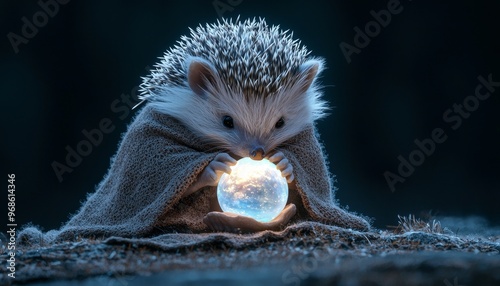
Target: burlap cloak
{"type": "Point", "coordinates": [159, 158]}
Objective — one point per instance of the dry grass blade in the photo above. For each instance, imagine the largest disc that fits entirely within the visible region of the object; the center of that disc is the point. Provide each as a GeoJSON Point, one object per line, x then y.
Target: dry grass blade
{"type": "Point", "coordinates": [411, 223]}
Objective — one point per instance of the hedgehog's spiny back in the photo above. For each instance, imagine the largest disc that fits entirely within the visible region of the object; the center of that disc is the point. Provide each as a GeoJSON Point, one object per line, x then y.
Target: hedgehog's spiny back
{"type": "Point", "coordinates": [249, 56]}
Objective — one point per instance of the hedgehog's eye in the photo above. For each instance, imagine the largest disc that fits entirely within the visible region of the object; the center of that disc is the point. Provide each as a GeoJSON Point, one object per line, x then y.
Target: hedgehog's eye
{"type": "Point", "coordinates": [280, 123]}
{"type": "Point", "coordinates": [228, 121]}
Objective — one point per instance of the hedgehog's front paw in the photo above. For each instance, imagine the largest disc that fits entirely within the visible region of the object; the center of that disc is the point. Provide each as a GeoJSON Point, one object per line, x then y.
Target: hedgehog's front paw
{"type": "Point", "coordinates": [219, 165]}
{"type": "Point", "coordinates": [283, 165]}
{"type": "Point", "coordinates": [210, 176]}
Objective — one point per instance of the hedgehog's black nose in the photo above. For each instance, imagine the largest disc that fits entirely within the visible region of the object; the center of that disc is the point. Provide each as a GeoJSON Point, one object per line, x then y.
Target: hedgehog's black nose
{"type": "Point", "coordinates": [257, 153]}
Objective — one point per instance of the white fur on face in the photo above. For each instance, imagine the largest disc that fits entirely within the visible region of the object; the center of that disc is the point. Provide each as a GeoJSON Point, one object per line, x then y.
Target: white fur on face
{"type": "Point", "coordinates": [254, 116]}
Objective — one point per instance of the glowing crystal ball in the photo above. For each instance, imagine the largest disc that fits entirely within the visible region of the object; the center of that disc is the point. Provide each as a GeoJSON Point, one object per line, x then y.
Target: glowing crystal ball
{"type": "Point", "coordinates": [254, 188]}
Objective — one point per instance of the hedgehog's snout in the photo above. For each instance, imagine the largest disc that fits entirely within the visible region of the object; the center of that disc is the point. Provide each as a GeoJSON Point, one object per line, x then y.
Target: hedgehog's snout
{"type": "Point", "coordinates": [257, 153]}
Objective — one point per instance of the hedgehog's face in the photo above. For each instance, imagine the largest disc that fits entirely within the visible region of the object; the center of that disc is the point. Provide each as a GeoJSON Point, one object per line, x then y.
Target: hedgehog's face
{"type": "Point", "coordinates": [254, 142]}
{"type": "Point", "coordinates": [252, 125]}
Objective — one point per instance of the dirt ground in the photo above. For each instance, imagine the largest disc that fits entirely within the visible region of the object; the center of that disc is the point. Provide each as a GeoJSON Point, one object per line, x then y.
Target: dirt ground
{"type": "Point", "coordinates": [425, 255]}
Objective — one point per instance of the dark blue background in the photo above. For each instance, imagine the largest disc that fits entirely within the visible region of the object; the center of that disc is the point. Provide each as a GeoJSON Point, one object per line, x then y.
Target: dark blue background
{"type": "Point", "coordinates": [394, 91]}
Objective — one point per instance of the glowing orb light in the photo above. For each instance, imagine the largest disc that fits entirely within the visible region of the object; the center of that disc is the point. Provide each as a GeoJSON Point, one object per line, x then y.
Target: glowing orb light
{"type": "Point", "coordinates": [254, 188]}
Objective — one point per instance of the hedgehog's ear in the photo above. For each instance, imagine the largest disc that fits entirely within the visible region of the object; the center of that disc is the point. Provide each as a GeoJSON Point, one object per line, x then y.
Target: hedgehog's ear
{"type": "Point", "coordinates": [307, 73]}
{"type": "Point", "coordinates": [200, 75]}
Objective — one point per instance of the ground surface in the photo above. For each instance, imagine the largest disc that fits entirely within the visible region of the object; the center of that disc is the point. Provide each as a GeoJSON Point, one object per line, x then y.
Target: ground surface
{"type": "Point", "coordinates": [308, 257]}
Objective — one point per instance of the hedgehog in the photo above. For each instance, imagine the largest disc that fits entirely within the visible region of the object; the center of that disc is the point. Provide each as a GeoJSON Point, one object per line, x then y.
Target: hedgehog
{"type": "Point", "coordinates": [230, 90]}
{"type": "Point", "coordinates": [246, 88]}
